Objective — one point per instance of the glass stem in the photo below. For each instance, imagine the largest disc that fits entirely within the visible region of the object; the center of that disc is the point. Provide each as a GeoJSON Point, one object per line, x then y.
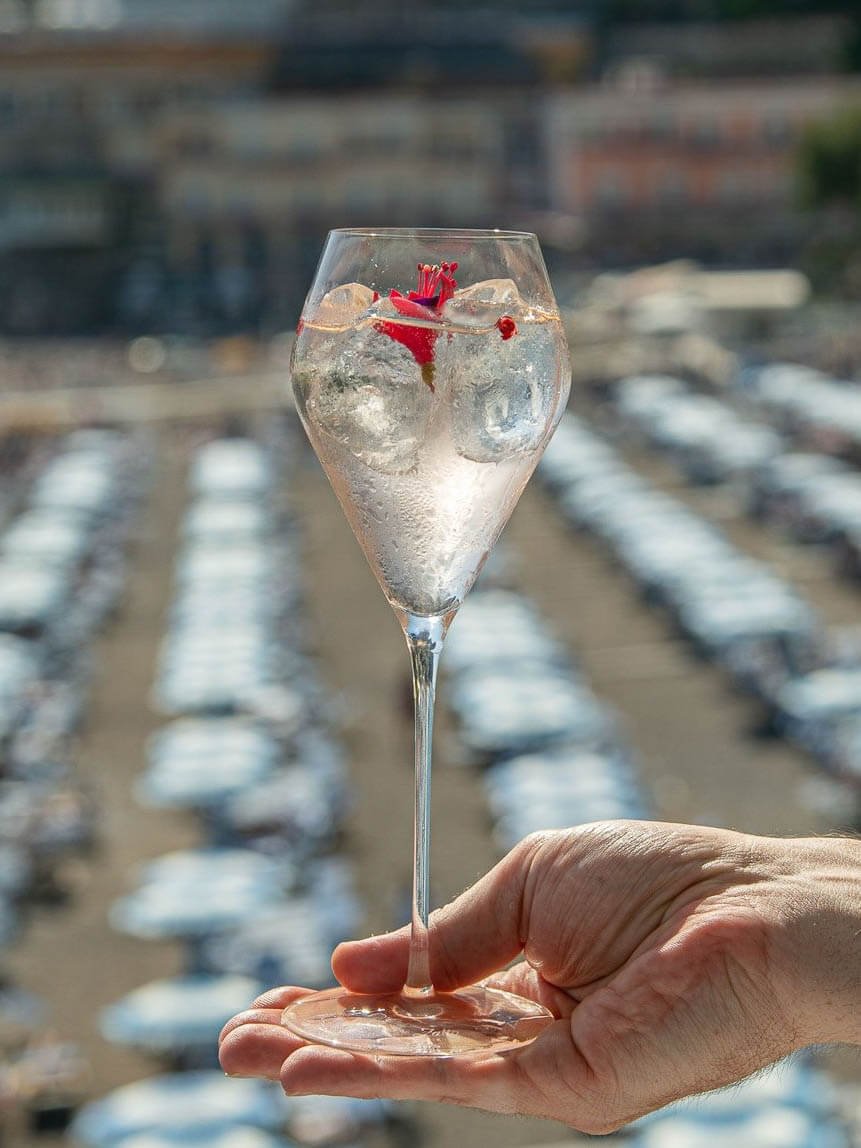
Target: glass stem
{"type": "Point", "coordinates": [425, 637]}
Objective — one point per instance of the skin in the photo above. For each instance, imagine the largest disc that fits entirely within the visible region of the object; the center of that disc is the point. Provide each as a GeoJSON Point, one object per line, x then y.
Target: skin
{"type": "Point", "coordinates": [677, 959]}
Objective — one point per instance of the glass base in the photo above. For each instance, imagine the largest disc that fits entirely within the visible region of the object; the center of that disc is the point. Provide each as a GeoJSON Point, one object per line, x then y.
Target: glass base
{"type": "Point", "coordinates": [468, 1022]}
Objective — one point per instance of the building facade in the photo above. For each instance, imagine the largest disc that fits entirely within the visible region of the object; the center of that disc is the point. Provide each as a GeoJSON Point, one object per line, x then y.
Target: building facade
{"type": "Point", "coordinates": [79, 106]}
{"type": "Point", "coordinates": [697, 168]}
{"type": "Point", "coordinates": [176, 166]}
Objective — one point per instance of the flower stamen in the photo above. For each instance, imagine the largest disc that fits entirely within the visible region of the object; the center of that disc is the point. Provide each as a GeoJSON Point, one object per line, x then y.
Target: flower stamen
{"type": "Point", "coordinates": [436, 285]}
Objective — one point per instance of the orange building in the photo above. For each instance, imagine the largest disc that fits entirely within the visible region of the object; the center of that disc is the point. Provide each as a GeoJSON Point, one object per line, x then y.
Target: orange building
{"type": "Point", "coordinates": [663, 158]}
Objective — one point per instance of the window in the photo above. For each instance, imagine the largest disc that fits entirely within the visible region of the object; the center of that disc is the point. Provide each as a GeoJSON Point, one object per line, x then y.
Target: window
{"type": "Point", "coordinates": [776, 128]}
{"type": "Point", "coordinates": [662, 125]}
{"type": "Point", "coordinates": [672, 186]}
{"type": "Point", "coordinates": [610, 189]}
{"type": "Point", "coordinates": [704, 132]}
{"type": "Point", "coordinates": [7, 107]}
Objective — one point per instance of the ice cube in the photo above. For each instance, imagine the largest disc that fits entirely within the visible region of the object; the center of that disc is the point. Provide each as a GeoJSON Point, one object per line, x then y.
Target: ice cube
{"type": "Point", "coordinates": [505, 394]}
{"type": "Point", "coordinates": [343, 305]}
{"type": "Point", "coordinates": [482, 304]}
{"type": "Point", "coordinates": [366, 390]}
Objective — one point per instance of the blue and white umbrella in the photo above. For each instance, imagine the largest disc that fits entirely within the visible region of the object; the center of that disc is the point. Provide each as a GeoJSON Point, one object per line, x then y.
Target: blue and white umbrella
{"type": "Point", "coordinates": [72, 484]}
{"type": "Point", "coordinates": [199, 892]}
{"type": "Point", "coordinates": [504, 715]}
{"type": "Point", "coordinates": [291, 944]}
{"type": "Point", "coordinates": [30, 596]}
{"type": "Point", "coordinates": [556, 789]}
{"type": "Point", "coordinates": [334, 1119]}
{"type": "Point", "coordinates": [225, 521]}
{"type": "Point", "coordinates": [178, 1014]}
{"type": "Point", "coordinates": [203, 738]}
{"type": "Point", "coordinates": [213, 565]}
{"type": "Point", "coordinates": [230, 468]}
{"type": "Point", "coordinates": [796, 1084]}
{"type": "Point", "coordinates": [156, 912]}
{"type": "Point", "coordinates": [512, 619]}
{"type": "Point", "coordinates": [793, 1106]}
{"type": "Point", "coordinates": [9, 921]}
{"type": "Point", "coordinates": [238, 1137]}
{"type": "Point", "coordinates": [196, 784]}
{"type": "Point", "coordinates": [16, 869]}
{"type": "Point", "coordinates": [191, 868]}
{"type": "Point", "coordinates": [297, 802]}
{"type": "Point", "coordinates": [772, 1127]}
{"type": "Point", "coordinates": [43, 537]}
{"type": "Point", "coordinates": [187, 1105]}
{"type": "Point", "coordinates": [202, 769]}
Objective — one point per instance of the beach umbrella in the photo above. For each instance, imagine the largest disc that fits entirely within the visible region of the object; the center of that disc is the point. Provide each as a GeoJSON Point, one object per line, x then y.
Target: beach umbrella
{"type": "Point", "coordinates": [198, 892]}
{"type": "Point", "coordinates": [248, 562]}
{"type": "Point", "coordinates": [501, 714]}
{"type": "Point", "coordinates": [9, 921]}
{"type": "Point", "coordinates": [157, 912]}
{"type": "Point", "coordinates": [216, 866]}
{"type": "Point", "coordinates": [517, 625]}
{"type": "Point", "coordinates": [30, 596]}
{"type": "Point", "coordinates": [206, 737]}
{"type": "Point", "coordinates": [794, 1084]}
{"type": "Point", "coordinates": [224, 520]}
{"type": "Point", "coordinates": [186, 1105]}
{"type": "Point", "coordinates": [178, 1013]}
{"type": "Point", "coordinates": [321, 1120]}
{"type": "Point", "coordinates": [297, 802]}
{"type": "Point", "coordinates": [47, 537]}
{"type": "Point", "coordinates": [293, 941]}
{"type": "Point", "coordinates": [72, 486]}
{"type": "Point", "coordinates": [16, 869]}
{"type": "Point", "coordinates": [770, 1127]}
{"type": "Point", "coordinates": [237, 1137]}
{"type": "Point", "coordinates": [186, 781]}
{"type": "Point", "coordinates": [231, 468]}
{"type": "Point", "coordinates": [291, 944]}
{"type": "Point", "coordinates": [18, 672]}
{"type": "Point", "coordinates": [217, 684]}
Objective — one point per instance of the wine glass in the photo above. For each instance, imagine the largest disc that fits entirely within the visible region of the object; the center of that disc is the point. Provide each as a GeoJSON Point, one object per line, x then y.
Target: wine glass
{"type": "Point", "coordinates": [430, 369]}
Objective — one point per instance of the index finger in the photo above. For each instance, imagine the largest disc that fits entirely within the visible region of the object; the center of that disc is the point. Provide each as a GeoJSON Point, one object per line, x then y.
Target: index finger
{"type": "Point", "coordinates": [478, 933]}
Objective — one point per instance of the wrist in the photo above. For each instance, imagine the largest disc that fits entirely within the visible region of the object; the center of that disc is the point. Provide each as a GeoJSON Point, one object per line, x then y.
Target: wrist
{"type": "Point", "coordinates": [817, 939]}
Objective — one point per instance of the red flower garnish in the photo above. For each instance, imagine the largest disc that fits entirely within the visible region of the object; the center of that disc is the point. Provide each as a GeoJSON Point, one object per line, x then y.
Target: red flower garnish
{"type": "Point", "coordinates": [436, 285]}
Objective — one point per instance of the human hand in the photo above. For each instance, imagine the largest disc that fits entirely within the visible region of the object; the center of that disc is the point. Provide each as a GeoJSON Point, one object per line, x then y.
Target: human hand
{"type": "Point", "coordinates": [676, 959]}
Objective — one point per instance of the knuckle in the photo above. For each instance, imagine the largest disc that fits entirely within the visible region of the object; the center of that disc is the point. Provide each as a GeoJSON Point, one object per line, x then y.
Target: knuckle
{"type": "Point", "coordinates": [536, 842]}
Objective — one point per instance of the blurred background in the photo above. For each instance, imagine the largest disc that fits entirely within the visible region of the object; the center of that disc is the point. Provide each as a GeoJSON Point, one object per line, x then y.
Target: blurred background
{"type": "Point", "coordinates": [205, 736]}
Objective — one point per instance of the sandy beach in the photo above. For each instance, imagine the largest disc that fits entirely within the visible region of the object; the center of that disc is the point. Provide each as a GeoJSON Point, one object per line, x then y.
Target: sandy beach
{"type": "Point", "coordinates": [700, 756]}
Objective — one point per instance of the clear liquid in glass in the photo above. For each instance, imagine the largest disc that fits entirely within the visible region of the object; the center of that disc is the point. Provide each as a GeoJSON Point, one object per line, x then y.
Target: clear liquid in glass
{"type": "Point", "coordinates": [428, 470]}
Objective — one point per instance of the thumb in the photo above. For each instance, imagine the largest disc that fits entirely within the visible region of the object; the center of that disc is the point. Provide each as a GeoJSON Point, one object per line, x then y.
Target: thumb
{"type": "Point", "coordinates": [478, 933]}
